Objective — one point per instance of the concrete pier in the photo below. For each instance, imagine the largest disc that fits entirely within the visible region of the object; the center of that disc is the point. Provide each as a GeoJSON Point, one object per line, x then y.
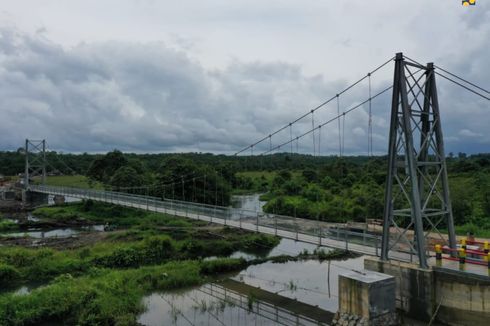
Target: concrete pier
{"type": "Point", "coordinates": [440, 294]}
{"type": "Point", "coordinates": [366, 298]}
{"type": "Point", "coordinates": [34, 198]}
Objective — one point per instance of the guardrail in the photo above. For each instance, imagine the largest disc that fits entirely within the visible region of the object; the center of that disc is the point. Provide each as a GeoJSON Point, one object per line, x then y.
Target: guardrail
{"type": "Point", "coordinates": [464, 255]}
{"type": "Point", "coordinates": [310, 231]}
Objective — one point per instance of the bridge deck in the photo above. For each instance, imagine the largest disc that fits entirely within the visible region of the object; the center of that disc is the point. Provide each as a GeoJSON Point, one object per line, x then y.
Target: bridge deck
{"type": "Point", "coordinates": [304, 230]}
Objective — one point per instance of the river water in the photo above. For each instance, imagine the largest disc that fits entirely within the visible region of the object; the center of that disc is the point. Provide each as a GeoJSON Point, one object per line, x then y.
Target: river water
{"type": "Point", "coordinates": [248, 202]}
{"type": "Point", "coordinates": [311, 282]}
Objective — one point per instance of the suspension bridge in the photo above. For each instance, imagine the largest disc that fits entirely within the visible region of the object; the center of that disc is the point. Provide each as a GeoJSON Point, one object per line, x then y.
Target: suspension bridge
{"type": "Point", "coordinates": [417, 203]}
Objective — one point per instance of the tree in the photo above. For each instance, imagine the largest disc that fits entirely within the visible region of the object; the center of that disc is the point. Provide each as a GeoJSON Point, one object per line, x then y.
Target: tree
{"type": "Point", "coordinates": [126, 176]}
{"type": "Point", "coordinates": [103, 168]}
{"type": "Point", "coordinates": [183, 179]}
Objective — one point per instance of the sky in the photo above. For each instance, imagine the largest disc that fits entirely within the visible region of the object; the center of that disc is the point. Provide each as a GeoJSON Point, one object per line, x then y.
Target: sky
{"type": "Point", "coordinates": [215, 76]}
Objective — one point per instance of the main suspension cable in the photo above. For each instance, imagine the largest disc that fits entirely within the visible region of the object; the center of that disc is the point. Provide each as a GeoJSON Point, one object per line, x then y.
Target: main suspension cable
{"type": "Point", "coordinates": [329, 121]}
{"type": "Point", "coordinates": [316, 108]}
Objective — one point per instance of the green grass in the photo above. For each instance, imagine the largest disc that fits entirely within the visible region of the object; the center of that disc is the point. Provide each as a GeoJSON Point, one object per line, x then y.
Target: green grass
{"type": "Point", "coordinates": [477, 231]}
{"type": "Point", "coordinates": [141, 243]}
{"type": "Point", "coordinates": [77, 181]}
{"type": "Point", "coordinates": [105, 297]}
{"type": "Point", "coordinates": [113, 214]}
{"type": "Point", "coordinates": [6, 225]}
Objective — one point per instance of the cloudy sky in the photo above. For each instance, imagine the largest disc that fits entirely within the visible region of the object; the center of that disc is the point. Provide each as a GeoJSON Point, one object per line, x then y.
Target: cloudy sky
{"type": "Point", "coordinates": [214, 76]}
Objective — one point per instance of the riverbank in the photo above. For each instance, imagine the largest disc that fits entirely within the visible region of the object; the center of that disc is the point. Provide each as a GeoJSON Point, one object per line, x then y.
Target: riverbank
{"type": "Point", "coordinates": [98, 277]}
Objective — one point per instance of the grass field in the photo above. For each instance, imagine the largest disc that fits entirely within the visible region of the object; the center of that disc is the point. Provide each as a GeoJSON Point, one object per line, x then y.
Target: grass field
{"type": "Point", "coordinates": [78, 181]}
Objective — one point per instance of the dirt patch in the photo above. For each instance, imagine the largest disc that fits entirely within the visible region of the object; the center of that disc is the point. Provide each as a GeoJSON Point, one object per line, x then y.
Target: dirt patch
{"type": "Point", "coordinates": [11, 206]}
{"type": "Point", "coordinates": [72, 242]}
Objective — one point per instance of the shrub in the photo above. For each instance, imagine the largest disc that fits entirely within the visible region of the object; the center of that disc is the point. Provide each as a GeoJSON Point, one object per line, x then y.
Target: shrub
{"type": "Point", "coordinates": [216, 266]}
{"type": "Point", "coordinates": [119, 258]}
{"type": "Point", "coordinates": [8, 275]}
{"type": "Point", "coordinates": [158, 249]}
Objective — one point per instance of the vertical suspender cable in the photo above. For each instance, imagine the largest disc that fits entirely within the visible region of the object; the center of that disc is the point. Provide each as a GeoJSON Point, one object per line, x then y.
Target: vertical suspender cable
{"type": "Point", "coordinates": [370, 121]}
{"type": "Point", "coordinates": [216, 190]}
{"type": "Point", "coordinates": [252, 158]}
{"type": "Point", "coordinates": [319, 140]}
{"type": "Point", "coordinates": [204, 191]}
{"type": "Point", "coordinates": [193, 189]}
{"type": "Point", "coordinates": [270, 147]}
{"type": "Point", "coordinates": [313, 133]}
{"type": "Point", "coordinates": [338, 121]}
{"type": "Point", "coordinates": [222, 190]}
{"type": "Point", "coordinates": [183, 193]}
{"type": "Point", "coordinates": [343, 132]}
{"type": "Point", "coordinates": [291, 136]}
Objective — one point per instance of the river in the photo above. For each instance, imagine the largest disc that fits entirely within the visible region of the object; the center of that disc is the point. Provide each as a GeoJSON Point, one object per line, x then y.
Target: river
{"type": "Point", "coordinates": [309, 283]}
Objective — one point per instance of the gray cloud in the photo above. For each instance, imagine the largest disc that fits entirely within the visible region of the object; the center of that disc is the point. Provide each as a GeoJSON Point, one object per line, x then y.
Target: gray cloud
{"type": "Point", "coordinates": [148, 97]}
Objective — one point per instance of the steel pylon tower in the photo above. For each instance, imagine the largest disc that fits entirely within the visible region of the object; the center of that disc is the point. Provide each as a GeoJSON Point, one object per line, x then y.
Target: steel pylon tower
{"type": "Point", "coordinates": [35, 162]}
{"type": "Point", "coordinates": [417, 195]}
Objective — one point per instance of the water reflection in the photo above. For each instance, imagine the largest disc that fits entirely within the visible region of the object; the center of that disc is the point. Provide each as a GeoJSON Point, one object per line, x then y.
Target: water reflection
{"type": "Point", "coordinates": [195, 307]}
{"type": "Point", "coordinates": [220, 304]}
{"type": "Point", "coordinates": [285, 247]}
{"type": "Point", "coordinates": [311, 281]}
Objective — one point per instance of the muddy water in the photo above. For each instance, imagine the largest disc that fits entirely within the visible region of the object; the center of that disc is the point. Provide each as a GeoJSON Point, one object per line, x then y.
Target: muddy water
{"type": "Point", "coordinates": [194, 307]}
{"type": "Point", "coordinates": [248, 202]}
{"type": "Point", "coordinates": [54, 233]}
{"type": "Point", "coordinates": [311, 282]}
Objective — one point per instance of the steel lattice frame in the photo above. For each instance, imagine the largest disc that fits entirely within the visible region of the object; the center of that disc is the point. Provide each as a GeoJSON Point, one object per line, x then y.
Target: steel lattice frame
{"type": "Point", "coordinates": [35, 162]}
{"type": "Point", "coordinates": [417, 195]}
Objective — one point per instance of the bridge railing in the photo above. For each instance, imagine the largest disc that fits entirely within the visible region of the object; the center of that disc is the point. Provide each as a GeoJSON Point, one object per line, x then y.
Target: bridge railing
{"type": "Point", "coordinates": [314, 231]}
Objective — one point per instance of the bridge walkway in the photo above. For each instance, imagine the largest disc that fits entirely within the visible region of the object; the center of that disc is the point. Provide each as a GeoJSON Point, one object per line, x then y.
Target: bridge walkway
{"type": "Point", "coordinates": [299, 229]}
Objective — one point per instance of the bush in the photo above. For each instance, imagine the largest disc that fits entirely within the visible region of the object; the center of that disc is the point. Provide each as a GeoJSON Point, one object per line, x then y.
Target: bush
{"type": "Point", "coordinates": [8, 275]}
{"type": "Point", "coordinates": [217, 266]}
{"type": "Point", "coordinates": [158, 249]}
{"type": "Point", "coordinates": [119, 258]}
{"type": "Point", "coordinates": [87, 205]}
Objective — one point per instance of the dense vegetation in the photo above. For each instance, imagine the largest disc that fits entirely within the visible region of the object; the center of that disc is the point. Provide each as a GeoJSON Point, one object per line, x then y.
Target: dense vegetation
{"type": "Point", "coordinates": [324, 188]}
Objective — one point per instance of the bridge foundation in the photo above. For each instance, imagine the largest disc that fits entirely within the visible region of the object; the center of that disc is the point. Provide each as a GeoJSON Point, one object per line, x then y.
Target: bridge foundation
{"type": "Point", "coordinates": [59, 199]}
{"type": "Point", "coordinates": [449, 296]}
{"type": "Point", "coordinates": [366, 298]}
{"type": "Point", "coordinates": [31, 198]}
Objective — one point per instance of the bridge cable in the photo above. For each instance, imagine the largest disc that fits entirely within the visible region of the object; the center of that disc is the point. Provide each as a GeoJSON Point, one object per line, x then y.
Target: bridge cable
{"type": "Point", "coordinates": [317, 107]}
{"type": "Point", "coordinates": [330, 121]}
{"type": "Point", "coordinates": [313, 134]}
{"type": "Point", "coordinates": [338, 115]}
{"type": "Point", "coordinates": [461, 85]}
{"type": "Point", "coordinates": [319, 140]}
{"type": "Point", "coordinates": [455, 82]}
{"type": "Point", "coordinates": [454, 75]}
{"type": "Point", "coordinates": [57, 156]}
{"type": "Point", "coordinates": [462, 79]}
{"type": "Point", "coordinates": [370, 121]}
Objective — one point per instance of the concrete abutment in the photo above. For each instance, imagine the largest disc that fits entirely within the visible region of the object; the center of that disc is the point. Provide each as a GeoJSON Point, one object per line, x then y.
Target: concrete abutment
{"type": "Point", "coordinates": [456, 297]}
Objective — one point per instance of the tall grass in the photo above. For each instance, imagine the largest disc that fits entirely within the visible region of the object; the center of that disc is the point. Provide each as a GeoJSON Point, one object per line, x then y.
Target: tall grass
{"type": "Point", "coordinates": [104, 297]}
